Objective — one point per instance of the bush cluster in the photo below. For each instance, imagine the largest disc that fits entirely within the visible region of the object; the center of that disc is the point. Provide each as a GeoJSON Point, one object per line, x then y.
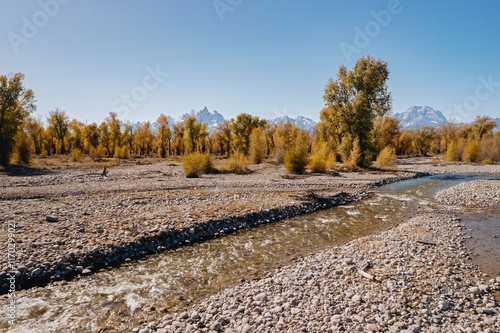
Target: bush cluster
{"type": "Point", "coordinates": [237, 163]}
{"type": "Point", "coordinates": [386, 159]}
{"type": "Point", "coordinates": [296, 161]}
{"type": "Point", "coordinates": [196, 164]}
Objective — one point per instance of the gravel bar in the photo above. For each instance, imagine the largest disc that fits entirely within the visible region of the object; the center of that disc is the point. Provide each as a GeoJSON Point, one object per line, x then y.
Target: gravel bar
{"type": "Point", "coordinates": [479, 193]}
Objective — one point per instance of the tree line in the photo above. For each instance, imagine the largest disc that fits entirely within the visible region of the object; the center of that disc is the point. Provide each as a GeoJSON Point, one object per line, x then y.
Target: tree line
{"type": "Point", "coordinates": [355, 129]}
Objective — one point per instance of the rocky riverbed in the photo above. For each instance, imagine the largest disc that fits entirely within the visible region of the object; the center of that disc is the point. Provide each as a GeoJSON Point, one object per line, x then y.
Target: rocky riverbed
{"type": "Point", "coordinates": [73, 222]}
{"type": "Point", "coordinates": [479, 193]}
{"type": "Point", "coordinates": [416, 277]}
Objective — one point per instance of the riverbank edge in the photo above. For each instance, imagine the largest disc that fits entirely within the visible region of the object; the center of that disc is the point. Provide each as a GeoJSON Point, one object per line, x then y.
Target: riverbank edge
{"type": "Point", "coordinates": [88, 263]}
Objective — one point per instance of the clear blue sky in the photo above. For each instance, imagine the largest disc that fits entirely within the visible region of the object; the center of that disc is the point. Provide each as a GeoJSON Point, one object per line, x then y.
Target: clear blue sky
{"type": "Point", "coordinates": [263, 57]}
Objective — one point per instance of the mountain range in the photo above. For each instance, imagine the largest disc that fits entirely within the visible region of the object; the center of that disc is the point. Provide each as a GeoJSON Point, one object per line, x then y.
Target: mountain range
{"type": "Point", "coordinates": [214, 118]}
{"type": "Point", "coordinates": [413, 117]}
{"type": "Point", "coordinates": [418, 116]}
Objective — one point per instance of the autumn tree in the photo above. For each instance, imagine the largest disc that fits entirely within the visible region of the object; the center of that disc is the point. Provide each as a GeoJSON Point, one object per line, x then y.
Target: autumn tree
{"type": "Point", "coordinates": [447, 134]}
{"type": "Point", "coordinates": [483, 126]}
{"type": "Point", "coordinates": [105, 137]}
{"type": "Point", "coordinates": [195, 135]}
{"type": "Point", "coordinates": [178, 138]}
{"type": "Point", "coordinates": [23, 147]}
{"type": "Point", "coordinates": [422, 139]}
{"type": "Point", "coordinates": [16, 104]}
{"type": "Point", "coordinates": [353, 101]}
{"type": "Point", "coordinates": [386, 130]}
{"type": "Point", "coordinates": [127, 139]}
{"type": "Point", "coordinates": [115, 134]}
{"type": "Point", "coordinates": [49, 144]}
{"type": "Point", "coordinates": [223, 137]}
{"type": "Point", "coordinates": [59, 123]}
{"type": "Point", "coordinates": [203, 143]}
{"type": "Point", "coordinates": [258, 145]}
{"type": "Point", "coordinates": [36, 132]}
{"type": "Point", "coordinates": [164, 134]}
{"type": "Point", "coordinates": [76, 129]}
{"type": "Point", "coordinates": [144, 139]}
{"type": "Point", "coordinates": [284, 137]}
{"type": "Point", "coordinates": [296, 154]}
{"type": "Point", "coordinates": [92, 136]}
{"type": "Point", "coordinates": [241, 128]}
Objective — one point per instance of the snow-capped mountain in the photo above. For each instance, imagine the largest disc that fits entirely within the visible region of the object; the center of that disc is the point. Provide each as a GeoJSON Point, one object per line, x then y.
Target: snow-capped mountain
{"type": "Point", "coordinates": [211, 118]}
{"type": "Point", "coordinates": [418, 116]}
{"type": "Point", "coordinates": [301, 122]}
{"type": "Point", "coordinates": [214, 118]}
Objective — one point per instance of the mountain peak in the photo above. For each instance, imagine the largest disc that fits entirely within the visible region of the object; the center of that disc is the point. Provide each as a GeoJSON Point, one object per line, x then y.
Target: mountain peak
{"type": "Point", "coordinates": [211, 118]}
{"type": "Point", "coordinates": [418, 116]}
{"type": "Point", "coordinates": [301, 122]}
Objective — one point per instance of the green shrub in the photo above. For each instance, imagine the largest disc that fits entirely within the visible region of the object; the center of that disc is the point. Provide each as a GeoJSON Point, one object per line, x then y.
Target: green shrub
{"type": "Point", "coordinates": [387, 158]}
{"type": "Point", "coordinates": [237, 163]}
{"type": "Point", "coordinates": [296, 161]}
{"type": "Point", "coordinates": [196, 164]}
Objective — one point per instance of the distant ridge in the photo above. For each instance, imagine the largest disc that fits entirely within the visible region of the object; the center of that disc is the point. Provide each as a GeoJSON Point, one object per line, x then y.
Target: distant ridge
{"type": "Point", "coordinates": [301, 122]}
{"type": "Point", "coordinates": [214, 118]}
{"type": "Point", "coordinates": [418, 116]}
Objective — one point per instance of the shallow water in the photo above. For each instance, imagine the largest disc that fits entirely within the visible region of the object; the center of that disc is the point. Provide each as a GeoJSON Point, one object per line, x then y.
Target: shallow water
{"type": "Point", "coordinates": [123, 297]}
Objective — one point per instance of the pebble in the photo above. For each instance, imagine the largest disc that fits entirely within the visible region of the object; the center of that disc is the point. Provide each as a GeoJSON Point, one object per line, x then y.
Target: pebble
{"type": "Point", "coordinates": [36, 271]}
{"type": "Point", "coordinates": [246, 329]}
{"type": "Point", "coordinates": [474, 290]}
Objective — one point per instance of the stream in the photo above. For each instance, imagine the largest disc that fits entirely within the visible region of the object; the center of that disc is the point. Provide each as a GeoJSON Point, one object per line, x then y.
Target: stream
{"type": "Point", "coordinates": [140, 291]}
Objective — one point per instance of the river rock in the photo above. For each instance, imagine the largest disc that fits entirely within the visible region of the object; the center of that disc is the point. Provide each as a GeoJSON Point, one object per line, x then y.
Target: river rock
{"type": "Point", "coordinates": [51, 219]}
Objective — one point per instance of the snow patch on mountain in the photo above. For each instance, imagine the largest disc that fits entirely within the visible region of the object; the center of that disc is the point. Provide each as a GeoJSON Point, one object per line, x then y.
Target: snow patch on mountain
{"type": "Point", "coordinates": [301, 122]}
{"type": "Point", "coordinates": [418, 116]}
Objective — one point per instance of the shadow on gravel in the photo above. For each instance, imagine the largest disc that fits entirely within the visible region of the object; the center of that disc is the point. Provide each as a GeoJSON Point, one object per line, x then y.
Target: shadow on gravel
{"type": "Point", "coordinates": [23, 171]}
